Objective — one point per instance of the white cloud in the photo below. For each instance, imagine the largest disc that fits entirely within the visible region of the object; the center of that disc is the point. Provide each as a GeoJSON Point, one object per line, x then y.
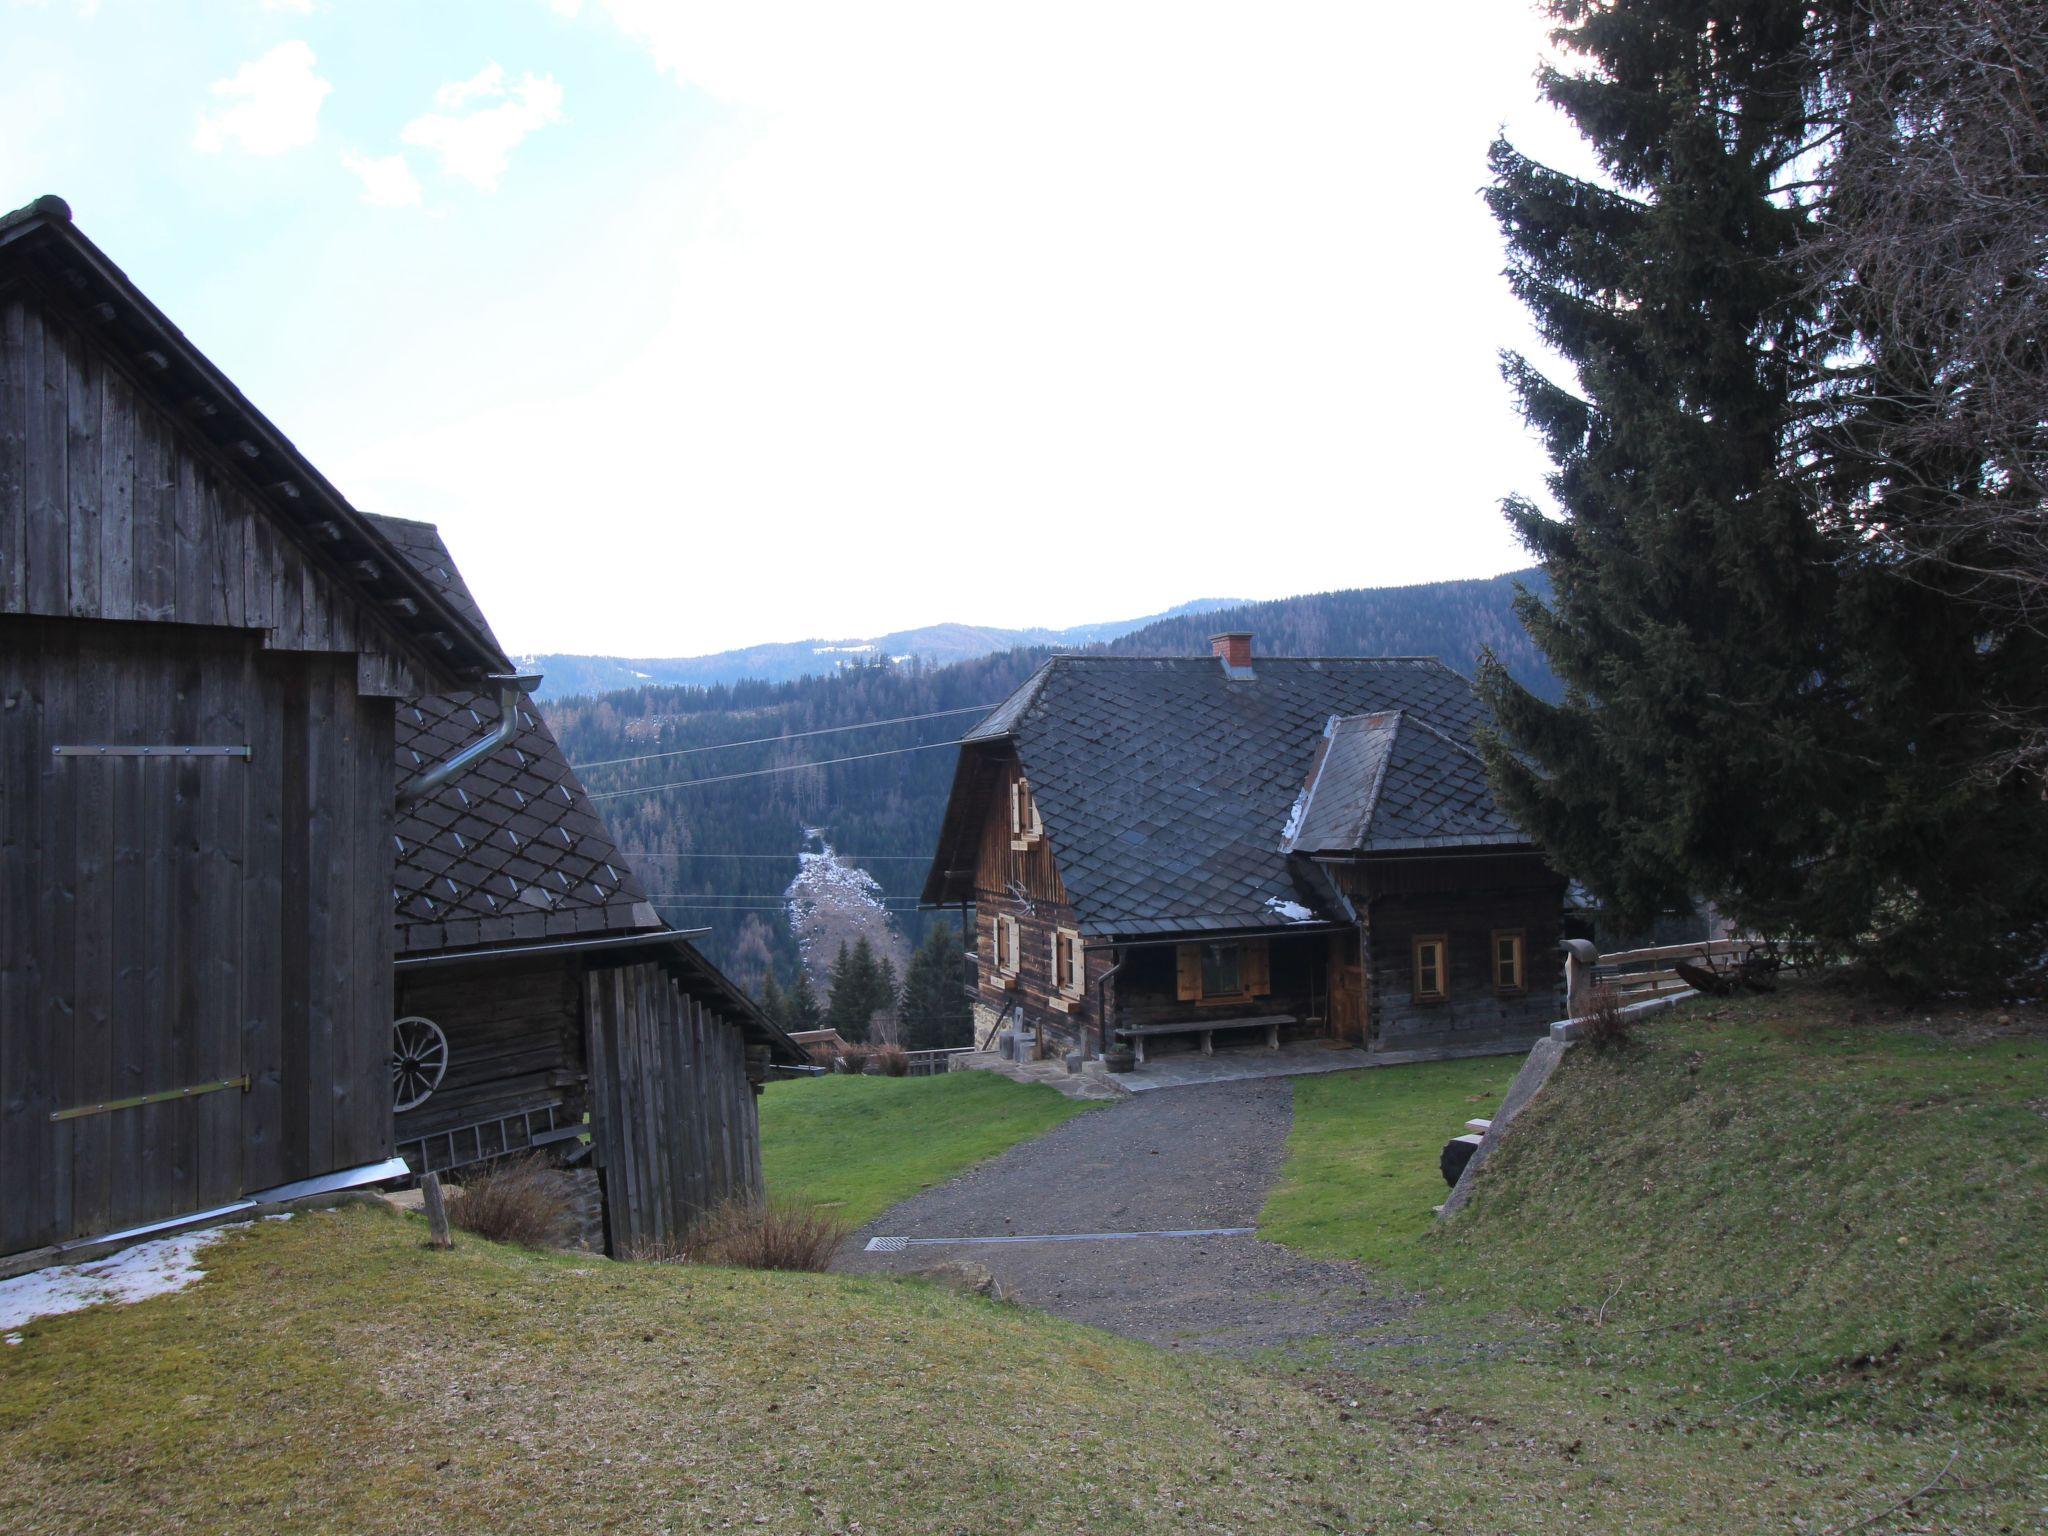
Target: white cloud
{"type": "Point", "coordinates": [388, 182]}
{"type": "Point", "coordinates": [272, 104]}
{"type": "Point", "coordinates": [1184, 299]}
{"type": "Point", "coordinates": [477, 145]}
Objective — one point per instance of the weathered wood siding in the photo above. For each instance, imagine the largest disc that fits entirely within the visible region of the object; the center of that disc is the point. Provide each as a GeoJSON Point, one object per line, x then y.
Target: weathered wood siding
{"type": "Point", "coordinates": [1298, 984]}
{"type": "Point", "coordinates": [166, 923]}
{"type": "Point", "coordinates": [110, 510]}
{"type": "Point", "coordinates": [515, 1048]}
{"type": "Point", "coordinates": [673, 1117]}
{"type": "Point", "coordinates": [1467, 900]}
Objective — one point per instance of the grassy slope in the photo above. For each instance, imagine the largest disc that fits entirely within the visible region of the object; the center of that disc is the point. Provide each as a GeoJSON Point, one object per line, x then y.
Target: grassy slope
{"type": "Point", "coordinates": [1777, 1236]}
{"type": "Point", "coordinates": [1361, 1172]}
{"type": "Point", "coordinates": [860, 1144]}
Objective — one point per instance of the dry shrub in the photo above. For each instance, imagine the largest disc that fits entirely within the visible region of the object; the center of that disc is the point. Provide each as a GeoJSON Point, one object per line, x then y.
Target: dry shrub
{"type": "Point", "coordinates": [854, 1059]}
{"type": "Point", "coordinates": [516, 1202]}
{"type": "Point", "coordinates": [822, 1055]}
{"type": "Point", "coordinates": [1602, 1022]}
{"type": "Point", "coordinates": [756, 1234]}
{"type": "Point", "coordinates": [890, 1060]}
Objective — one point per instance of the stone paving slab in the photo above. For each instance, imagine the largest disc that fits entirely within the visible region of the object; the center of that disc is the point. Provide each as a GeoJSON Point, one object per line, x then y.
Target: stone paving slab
{"type": "Point", "coordinates": [1191, 1069]}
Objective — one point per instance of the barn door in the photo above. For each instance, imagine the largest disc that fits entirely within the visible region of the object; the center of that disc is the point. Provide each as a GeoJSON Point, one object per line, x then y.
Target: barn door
{"type": "Point", "coordinates": [122, 1079]}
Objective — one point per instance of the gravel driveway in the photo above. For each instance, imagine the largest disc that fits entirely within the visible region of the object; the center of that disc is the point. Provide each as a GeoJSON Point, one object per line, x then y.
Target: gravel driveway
{"type": "Point", "coordinates": [1180, 1158]}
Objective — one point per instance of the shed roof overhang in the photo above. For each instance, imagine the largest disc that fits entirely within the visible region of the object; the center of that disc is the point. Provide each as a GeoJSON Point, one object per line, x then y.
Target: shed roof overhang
{"type": "Point", "coordinates": [40, 242]}
{"type": "Point", "coordinates": [975, 776]}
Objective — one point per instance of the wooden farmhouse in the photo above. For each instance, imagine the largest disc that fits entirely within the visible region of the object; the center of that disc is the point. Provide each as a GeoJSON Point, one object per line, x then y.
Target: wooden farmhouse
{"type": "Point", "coordinates": [204, 651]}
{"type": "Point", "coordinates": [201, 649]}
{"type": "Point", "coordinates": [1170, 853]}
{"type": "Point", "coordinates": [540, 1003]}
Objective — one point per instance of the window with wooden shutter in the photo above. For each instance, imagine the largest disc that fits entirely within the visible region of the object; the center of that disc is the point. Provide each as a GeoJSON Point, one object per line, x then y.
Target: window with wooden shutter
{"type": "Point", "coordinates": [1188, 968]}
{"type": "Point", "coordinates": [1070, 963]}
{"type": "Point", "coordinates": [1003, 938]}
{"type": "Point", "coordinates": [1257, 968]}
{"type": "Point", "coordinates": [1432, 975]}
{"type": "Point", "coordinates": [1508, 961]}
{"type": "Point", "coordinates": [1025, 827]}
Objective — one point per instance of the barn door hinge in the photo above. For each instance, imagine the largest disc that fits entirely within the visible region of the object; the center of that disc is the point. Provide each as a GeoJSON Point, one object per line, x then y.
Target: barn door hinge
{"type": "Point", "coordinates": [165, 751]}
{"type": "Point", "coordinates": [165, 1097]}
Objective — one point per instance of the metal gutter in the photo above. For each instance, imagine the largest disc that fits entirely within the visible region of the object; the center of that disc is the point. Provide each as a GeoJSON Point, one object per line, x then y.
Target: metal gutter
{"type": "Point", "coordinates": [513, 689]}
{"type": "Point", "coordinates": [663, 937]}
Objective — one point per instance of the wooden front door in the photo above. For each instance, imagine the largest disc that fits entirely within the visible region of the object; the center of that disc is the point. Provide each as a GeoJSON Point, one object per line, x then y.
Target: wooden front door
{"type": "Point", "coordinates": [1347, 988]}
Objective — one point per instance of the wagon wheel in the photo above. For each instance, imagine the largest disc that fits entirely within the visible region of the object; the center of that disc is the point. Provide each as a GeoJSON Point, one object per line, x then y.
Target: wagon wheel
{"type": "Point", "coordinates": [419, 1058]}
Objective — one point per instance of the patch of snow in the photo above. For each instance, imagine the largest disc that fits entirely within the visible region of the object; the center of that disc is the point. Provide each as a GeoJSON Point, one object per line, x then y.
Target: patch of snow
{"type": "Point", "coordinates": [134, 1274]}
{"type": "Point", "coordinates": [1292, 830]}
{"type": "Point", "coordinates": [1289, 911]}
{"type": "Point", "coordinates": [843, 650]}
{"type": "Point", "coordinates": [648, 675]}
{"type": "Point", "coordinates": [279, 1216]}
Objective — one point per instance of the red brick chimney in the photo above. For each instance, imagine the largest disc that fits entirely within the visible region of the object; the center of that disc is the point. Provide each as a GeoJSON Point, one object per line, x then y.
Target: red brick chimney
{"type": "Point", "coordinates": [1235, 650]}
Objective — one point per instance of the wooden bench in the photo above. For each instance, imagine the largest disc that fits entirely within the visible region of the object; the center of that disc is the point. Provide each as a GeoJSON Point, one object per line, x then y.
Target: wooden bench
{"type": "Point", "coordinates": [1206, 1028]}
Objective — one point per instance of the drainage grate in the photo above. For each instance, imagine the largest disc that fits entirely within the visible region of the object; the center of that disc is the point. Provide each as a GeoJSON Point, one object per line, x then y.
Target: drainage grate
{"type": "Point", "coordinates": [898, 1244]}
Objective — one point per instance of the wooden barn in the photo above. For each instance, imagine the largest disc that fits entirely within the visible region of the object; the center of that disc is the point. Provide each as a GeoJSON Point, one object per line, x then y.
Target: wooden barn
{"type": "Point", "coordinates": [202, 646]}
{"type": "Point", "coordinates": [540, 1003]}
{"type": "Point", "coordinates": [1172, 853]}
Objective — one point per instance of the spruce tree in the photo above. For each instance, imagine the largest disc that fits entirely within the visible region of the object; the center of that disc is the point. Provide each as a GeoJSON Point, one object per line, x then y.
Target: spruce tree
{"type": "Point", "coordinates": [935, 1007]}
{"type": "Point", "coordinates": [805, 1011]}
{"type": "Point", "coordinates": [1750, 711]}
{"type": "Point", "coordinates": [774, 1002]}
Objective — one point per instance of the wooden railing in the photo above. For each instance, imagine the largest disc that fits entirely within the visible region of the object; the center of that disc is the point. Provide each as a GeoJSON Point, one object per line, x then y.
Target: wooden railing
{"type": "Point", "coordinates": [1641, 974]}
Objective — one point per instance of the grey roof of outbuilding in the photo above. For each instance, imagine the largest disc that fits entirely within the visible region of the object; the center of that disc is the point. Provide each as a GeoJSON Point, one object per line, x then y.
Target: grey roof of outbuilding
{"type": "Point", "coordinates": [1392, 782]}
{"type": "Point", "coordinates": [512, 851]}
{"type": "Point", "coordinates": [1166, 786]}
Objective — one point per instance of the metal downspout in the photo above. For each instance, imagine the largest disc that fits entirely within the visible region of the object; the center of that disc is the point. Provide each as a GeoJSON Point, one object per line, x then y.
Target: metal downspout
{"type": "Point", "coordinates": [1102, 1003]}
{"type": "Point", "coordinates": [512, 689]}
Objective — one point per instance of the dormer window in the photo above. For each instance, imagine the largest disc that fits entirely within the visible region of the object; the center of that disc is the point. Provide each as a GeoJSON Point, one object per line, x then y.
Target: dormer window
{"type": "Point", "coordinates": [1025, 827]}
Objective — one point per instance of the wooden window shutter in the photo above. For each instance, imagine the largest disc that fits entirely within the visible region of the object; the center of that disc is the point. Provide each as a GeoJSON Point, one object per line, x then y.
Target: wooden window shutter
{"type": "Point", "coordinates": [1188, 959]}
{"type": "Point", "coordinates": [1257, 975]}
{"type": "Point", "coordinates": [1016, 807]}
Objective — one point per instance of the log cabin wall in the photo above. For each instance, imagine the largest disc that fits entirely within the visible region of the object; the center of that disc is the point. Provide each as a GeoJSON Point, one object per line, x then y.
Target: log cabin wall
{"type": "Point", "coordinates": [1017, 877]}
{"type": "Point", "coordinates": [516, 1066]}
{"type": "Point", "coordinates": [1296, 982]}
{"type": "Point", "coordinates": [175, 923]}
{"type": "Point", "coordinates": [674, 1126]}
{"type": "Point", "coordinates": [1467, 901]}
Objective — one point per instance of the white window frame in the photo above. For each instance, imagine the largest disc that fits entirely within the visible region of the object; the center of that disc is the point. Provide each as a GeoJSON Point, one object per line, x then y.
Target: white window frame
{"type": "Point", "coordinates": [1003, 938]}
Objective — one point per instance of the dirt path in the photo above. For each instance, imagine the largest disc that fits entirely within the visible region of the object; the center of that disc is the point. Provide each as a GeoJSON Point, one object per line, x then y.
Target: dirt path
{"type": "Point", "coordinates": [1173, 1160]}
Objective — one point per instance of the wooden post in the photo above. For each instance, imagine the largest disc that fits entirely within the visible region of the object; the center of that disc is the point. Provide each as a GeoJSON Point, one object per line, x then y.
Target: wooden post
{"type": "Point", "coordinates": [437, 1212]}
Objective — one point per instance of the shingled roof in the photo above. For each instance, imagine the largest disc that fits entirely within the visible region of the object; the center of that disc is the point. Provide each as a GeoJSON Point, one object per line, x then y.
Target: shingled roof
{"type": "Point", "coordinates": [1391, 782]}
{"type": "Point", "coordinates": [511, 851]}
{"type": "Point", "coordinates": [1171, 791]}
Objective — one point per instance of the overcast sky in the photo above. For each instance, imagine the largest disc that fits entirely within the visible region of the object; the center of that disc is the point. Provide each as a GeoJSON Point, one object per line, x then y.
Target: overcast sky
{"type": "Point", "coordinates": [695, 325]}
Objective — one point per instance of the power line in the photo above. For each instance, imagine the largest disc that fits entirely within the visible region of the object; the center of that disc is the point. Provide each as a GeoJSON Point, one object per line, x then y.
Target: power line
{"type": "Point", "coordinates": [858, 858]}
{"type": "Point", "coordinates": [755, 773]}
{"type": "Point", "coordinates": [762, 741]}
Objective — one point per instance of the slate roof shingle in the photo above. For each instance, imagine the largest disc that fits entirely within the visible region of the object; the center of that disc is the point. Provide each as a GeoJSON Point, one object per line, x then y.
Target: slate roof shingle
{"type": "Point", "coordinates": [512, 850]}
{"type": "Point", "coordinates": [1168, 787]}
{"type": "Point", "coordinates": [1390, 782]}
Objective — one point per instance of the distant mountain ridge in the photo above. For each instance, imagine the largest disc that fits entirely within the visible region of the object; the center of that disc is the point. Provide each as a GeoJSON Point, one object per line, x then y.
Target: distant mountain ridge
{"type": "Point", "coordinates": [717, 846]}
{"type": "Point", "coordinates": [565, 675]}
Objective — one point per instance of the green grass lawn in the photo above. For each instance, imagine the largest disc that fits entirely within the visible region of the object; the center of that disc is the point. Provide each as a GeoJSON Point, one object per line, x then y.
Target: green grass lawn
{"type": "Point", "coordinates": [1774, 1271]}
{"type": "Point", "coordinates": [858, 1145]}
{"type": "Point", "coordinates": [1361, 1174]}
{"type": "Point", "coordinates": [1797, 1235]}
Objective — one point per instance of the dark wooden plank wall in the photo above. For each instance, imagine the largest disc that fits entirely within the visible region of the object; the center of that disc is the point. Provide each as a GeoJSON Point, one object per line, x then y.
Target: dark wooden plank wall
{"type": "Point", "coordinates": [169, 922]}
{"type": "Point", "coordinates": [515, 1044]}
{"type": "Point", "coordinates": [1298, 975]}
{"type": "Point", "coordinates": [672, 1113]}
{"type": "Point", "coordinates": [1466, 899]}
{"type": "Point", "coordinates": [109, 511]}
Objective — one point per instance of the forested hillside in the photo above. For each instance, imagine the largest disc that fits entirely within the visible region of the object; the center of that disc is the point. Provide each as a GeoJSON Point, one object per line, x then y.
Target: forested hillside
{"type": "Point", "coordinates": [721, 851]}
